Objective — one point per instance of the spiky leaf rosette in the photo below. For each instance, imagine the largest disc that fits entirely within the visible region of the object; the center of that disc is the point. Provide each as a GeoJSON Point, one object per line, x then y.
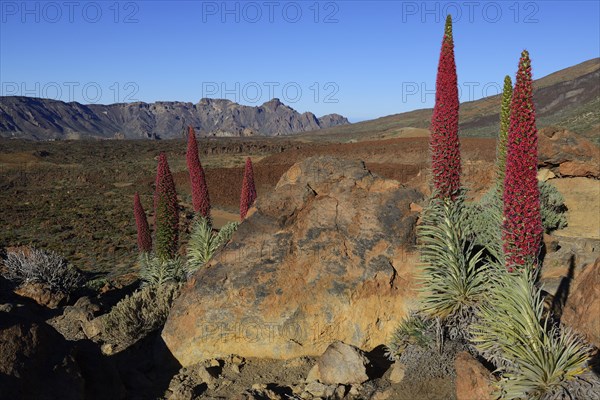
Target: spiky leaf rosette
{"type": "Point", "coordinates": [158, 271]}
{"type": "Point", "coordinates": [248, 189]}
{"type": "Point", "coordinates": [537, 360]}
{"type": "Point", "coordinates": [503, 134]}
{"type": "Point", "coordinates": [200, 198]}
{"type": "Point", "coordinates": [522, 228]}
{"type": "Point", "coordinates": [166, 212]}
{"type": "Point", "coordinates": [144, 237]}
{"type": "Point", "coordinates": [453, 279]}
{"type": "Point", "coordinates": [204, 242]}
{"type": "Point", "coordinates": [444, 143]}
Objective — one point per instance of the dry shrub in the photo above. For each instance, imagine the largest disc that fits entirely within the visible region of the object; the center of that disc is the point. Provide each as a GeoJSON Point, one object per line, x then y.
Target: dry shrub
{"type": "Point", "coordinates": [138, 315]}
{"type": "Point", "coordinates": [25, 265]}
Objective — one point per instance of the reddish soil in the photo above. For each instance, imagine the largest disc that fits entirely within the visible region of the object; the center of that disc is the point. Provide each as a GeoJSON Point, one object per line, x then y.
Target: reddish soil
{"type": "Point", "coordinates": [76, 197]}
{"type": "Point", "coordinates": [405, 160]}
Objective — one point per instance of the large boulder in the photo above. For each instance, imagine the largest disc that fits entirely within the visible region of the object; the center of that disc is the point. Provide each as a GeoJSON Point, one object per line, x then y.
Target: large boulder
{"type": "Point", "coordinates": [327, 256]}
{"type": "Point", "coordinates": [35, 362]}
{"type": "Point", "coordinates": [583, 304]}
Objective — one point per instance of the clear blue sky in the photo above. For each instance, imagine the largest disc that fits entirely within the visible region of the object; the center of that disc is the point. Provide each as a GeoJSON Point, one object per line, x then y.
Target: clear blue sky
{"type": "Point", "coordinates": [357, 58]}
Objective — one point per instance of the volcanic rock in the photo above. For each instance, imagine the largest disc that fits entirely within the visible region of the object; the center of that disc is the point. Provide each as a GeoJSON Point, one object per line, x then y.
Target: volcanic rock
{"type": "Point", "coordinates": [327, 256]}
{"type": "Point", "coordinates": [583, 304]}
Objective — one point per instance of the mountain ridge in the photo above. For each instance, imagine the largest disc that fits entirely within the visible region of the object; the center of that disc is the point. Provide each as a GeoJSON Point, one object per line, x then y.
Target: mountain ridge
{"type": "Point", "coordinates": [43, 119]}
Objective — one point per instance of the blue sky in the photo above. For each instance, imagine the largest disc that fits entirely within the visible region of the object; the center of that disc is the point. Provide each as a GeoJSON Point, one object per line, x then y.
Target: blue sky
{"type": "Point", "coordinates": [357, 58]}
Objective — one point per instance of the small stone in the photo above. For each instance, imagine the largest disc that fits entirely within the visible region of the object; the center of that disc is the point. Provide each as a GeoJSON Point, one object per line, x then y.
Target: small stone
{"type": "Point", "coordinates": [107, 349]}
{"type": "Point", "coordinates": [297, 389]}
{"type": "Point", "coordinates": [92, 328]}
{"type": "Point", "coordinates": [315, 388]}
{"type": "Point", "coordinates": [355, 390]}
{"type": "Point", "coordinates": [320, 390]}
{"type": "Point", "coordinates": [206, 377]}
{"type": "Point", "coordinates": [226, 382]}
{"type": "Point", "coordinates": [313, 374]}
{"type": "Point", "coordinates": [237, 360]}
{"type": "Point", "coordinates": [306, 396]}
{"type": "Point", "coordinates": [182, 392]}
{"type": "Point", "coordinates": [7, 307]}
{"type": "Point", "coordinates": [544, 174]}
{"type": "Point", "coordinates": [340, 392]}
{"type": "Point", "coordinates": [235, 368]}
{"type": "Point", "coordinates": [259, 386]}
{"type": "Point", "coordinates": [397, 372]}
{"type": "Point", "coordinates": [342, 363]}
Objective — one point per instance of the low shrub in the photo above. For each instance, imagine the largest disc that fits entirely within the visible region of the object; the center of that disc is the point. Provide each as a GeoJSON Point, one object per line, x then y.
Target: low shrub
{"type": "Point", "coordinates": [424, 347]}
{"type": "Point", "coordinates": [137, 315]}
{"type": "Point", "coordinates": [413, 329]}
{"type": "Point", "coordinates": [553, 207]}
{"type": "Point", "coordinates": [35, 265]}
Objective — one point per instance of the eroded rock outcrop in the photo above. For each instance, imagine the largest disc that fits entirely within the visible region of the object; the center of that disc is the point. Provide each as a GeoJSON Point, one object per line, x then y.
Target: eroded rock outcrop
{"type": "Point", "coordinates": [328, 256]}
{"type": "Point", "coordinates": [568, 154]}
{"type": "Point", "coordinates": [583, 304]}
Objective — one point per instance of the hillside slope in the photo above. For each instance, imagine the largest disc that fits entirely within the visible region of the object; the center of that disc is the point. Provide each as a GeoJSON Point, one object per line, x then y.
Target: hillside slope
{"type": "Point", "coordinates": [569, 98]}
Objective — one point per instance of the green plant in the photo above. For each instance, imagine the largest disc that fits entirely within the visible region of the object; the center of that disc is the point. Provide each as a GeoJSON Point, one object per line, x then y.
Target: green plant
{"type": "Point", "coordinates": [553, 207]}
{"type": "Point", "coordinates": [453, 277]}
{"type": "Point", "coordinates": [157, 271]}
{"type": "Point", "coordinates": [503, 134]}
{"type": "Point", "coordinates": [97, 283]}
{"type": "Point", "coordinates": [139, 314]}
{"type": "Point", "coordinates": [484, 218]}
{"type": "Point", "coordinates": [413, 329]}
{"type": "Point", "coordinates": [204, 242]}
{"type": "Point", "coordinates": [483, 225]}
{"type": "Point", "coordinates": [536, 358]}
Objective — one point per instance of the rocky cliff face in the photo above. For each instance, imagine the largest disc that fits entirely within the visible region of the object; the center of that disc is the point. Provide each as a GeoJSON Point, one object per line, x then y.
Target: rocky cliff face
{"type": "Point", "coordinates": [327, 256]}
{"type": "Point", "coordinates": [34, 118]}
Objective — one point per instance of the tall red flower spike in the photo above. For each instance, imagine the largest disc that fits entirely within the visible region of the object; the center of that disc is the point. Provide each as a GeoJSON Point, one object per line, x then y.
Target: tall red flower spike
{"type": "Point", "coordinates": [144, 238]}
{"type": "Point", "coordinates": [248, 189]}
{"type": "Point", "coordinates": [444, 143]}
{"type": "Point", "coordinates": [200, 198]}
{"type": "Point", "coordinates": [166, 212]}
{"type": "Point", "coordinates": [522, 230]}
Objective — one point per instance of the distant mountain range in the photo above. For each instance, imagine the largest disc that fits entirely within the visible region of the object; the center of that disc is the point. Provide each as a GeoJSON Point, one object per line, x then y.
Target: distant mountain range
{"type": "Point", "coordinates": [569, 98]}
{"type": "Point", "coordinates": [43, 119]}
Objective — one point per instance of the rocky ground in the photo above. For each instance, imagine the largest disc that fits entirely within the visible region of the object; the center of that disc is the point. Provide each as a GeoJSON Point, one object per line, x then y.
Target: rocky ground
{"type": "Point", "coordinates": [263, 321]}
